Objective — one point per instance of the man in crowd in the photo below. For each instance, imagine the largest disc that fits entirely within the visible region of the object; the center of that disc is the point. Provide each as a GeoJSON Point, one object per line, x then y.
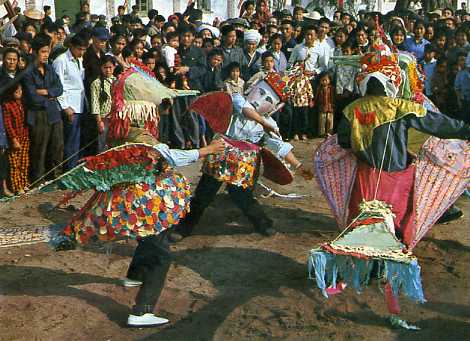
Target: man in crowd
{"type": "Point", "coordinates": [69, 68]}
{"type": "Point", "coordinates": [42, 87]}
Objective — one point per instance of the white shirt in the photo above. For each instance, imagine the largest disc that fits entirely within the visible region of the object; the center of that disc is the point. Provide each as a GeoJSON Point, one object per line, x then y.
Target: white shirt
{"type": "Point", "coordinates": [242, 128]}
{"type": "Point", "coordinates": [316, 57]}
{"type": "Point", "coordinates": [71, 74]}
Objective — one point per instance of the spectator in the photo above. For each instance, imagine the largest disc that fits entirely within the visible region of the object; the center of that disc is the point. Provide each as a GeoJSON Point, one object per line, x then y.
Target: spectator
{"type": "Point", "coordinates": [101, 98]}
{"type": "Point", "coordinates": [428, 65]}
{"type": "Point", "coordinates": [462, 88]}
{"type": "Point", "coordinates": [193, 60]}
{"type": "Point", "coordinates": [306, 52]}
{"type": "Point", "coordinates": [267, 60]}
{"type": "Point", "coordinates": [280, 60]}
{"type": "Point", "coordinates": [417, 43]}
{"type": "Point", "coordinates": [253, 57]}
{"type": "Point", "coordinates": [9, 68]}
{"type": "Point", "coordinates": [14, 116]}
{"type": "Point", "coordinates": [232, 53]}
{"type": "Point", "coordinates": [289, 40]}
{"type": "Point", "coordinates": [69, 68]}
{"type": "Point", "coordinates": [41, 87]}
{"type": "Point", "coordinates": [212, 78]}
{"type": "Point", "coordinates": [234, 84]}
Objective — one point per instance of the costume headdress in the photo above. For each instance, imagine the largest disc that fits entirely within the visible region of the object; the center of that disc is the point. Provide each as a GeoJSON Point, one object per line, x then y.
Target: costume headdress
{"type": "Point", "coordinates": [280, 85]}
{"type": "Point", "coordinates": [136, 95]}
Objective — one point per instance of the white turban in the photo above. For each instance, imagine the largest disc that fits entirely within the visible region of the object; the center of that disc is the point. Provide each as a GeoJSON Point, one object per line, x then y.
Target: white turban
{"type": "Point", "coordinates": [252, 35]}
{"type": "Point", "coordinates": [214, 30]}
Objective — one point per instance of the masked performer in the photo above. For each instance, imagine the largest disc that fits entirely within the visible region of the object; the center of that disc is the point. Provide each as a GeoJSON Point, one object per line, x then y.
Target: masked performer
{"type": "Point", "coordinates": [247, 125]}
{"type": "Point", "coordinates": [137, 194]}
{"type": "Point", "coordinates": [389, 201]}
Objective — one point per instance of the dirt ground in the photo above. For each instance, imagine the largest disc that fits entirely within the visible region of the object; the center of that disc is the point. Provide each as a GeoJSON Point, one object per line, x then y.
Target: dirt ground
{"type": "Point", "coordinates": [225, 282]}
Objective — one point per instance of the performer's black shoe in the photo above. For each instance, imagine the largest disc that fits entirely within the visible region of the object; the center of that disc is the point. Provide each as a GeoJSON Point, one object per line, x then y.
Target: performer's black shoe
{"type": "Point", "coordinates": [175, 237]}
{"type": "Point", "coordinates": [268, 232]}
{"type": "Point", "coordinates": [452, 213]}
{"type": "Point", "coordinates": [265, 227]}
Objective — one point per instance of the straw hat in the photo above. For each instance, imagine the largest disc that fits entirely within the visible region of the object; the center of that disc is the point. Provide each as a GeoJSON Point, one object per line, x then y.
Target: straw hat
{"type": "Point", "coordinates": [34, 14]}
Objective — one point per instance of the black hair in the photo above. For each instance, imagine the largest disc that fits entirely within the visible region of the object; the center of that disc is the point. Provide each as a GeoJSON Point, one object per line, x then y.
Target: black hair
{"type": "Point", "coordinates": [40, 41]}
{"type": "Point", "coordinates": [215, 52]}
{"type": "Point", "coordinates": [103, 60]}
{"type": "Point", "coordinates": [266, 54]}
{"type": "Point", "coordinates": [11, 50]}
{"type": "Point", "coordinates": [148, 55]}
{"type": "Point", "coordinates": [232, 66]}
{"type": "Point", "coordinates": [183, 29]}
{"type": "Point", "coordinates": [9, 90]}
{"type": "Point", "coordinates": [227, 29]}
{"type": "Point", "coordinates": [134, 43]}
{"type": "Point", "coordinates": [152, 14]}
{"type": "Point", "coordinates": [286, 22]}
{"type": "Point", "coordinates": [172, 35]}
{"type": "Point", "coordinates": [79, 40]}
{"type": "Point", "coordinates": [46, 8]}
{"type": "Point", "coordinates": [274, 37]}
{"type": "Point", "coordinates": [160, 18]}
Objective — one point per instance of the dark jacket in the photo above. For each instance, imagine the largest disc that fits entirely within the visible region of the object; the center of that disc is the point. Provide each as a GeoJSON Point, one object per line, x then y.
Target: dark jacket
{"type": "Point", "coordinates": [194, 58]}
{"type": "Point", "coordinates": [252, 67]}
{"type": "Point", "coordinates": [396, 155]}
{"type": "Point", "coordinates": [34, 80]}
{"type": "Point", "coordinates": [234, 54]}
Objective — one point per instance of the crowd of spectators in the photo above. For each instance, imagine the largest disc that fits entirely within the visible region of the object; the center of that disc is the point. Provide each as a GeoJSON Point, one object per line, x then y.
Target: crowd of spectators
{"type": "Point", "coordinates": [56, 76]}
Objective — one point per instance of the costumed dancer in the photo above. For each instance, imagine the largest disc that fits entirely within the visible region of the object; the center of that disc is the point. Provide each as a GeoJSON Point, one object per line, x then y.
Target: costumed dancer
{"type": "Point", "coordinates": [137, 194]}
{"type": "Point", "coordinates": [392, 199]}
{"type": "Point", "coordinates": [249, 128]}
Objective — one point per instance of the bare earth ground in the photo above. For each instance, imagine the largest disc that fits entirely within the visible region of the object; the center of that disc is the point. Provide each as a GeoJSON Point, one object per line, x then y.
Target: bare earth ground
{"type": "Point", "coordinates": [226, 283]}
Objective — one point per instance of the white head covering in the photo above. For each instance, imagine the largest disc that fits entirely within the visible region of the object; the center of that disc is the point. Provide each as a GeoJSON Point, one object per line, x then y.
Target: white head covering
{"type": "Point", "coordinates": [214, 30]}
{"type": "Point", "coordinates": [252, 35]}
{"type": "Point", "coordinates": [390, 89]}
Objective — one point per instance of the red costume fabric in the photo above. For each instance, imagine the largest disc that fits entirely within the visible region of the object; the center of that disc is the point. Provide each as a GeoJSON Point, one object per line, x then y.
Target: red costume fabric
{"type": "Point", "coordinates": [395, 188]}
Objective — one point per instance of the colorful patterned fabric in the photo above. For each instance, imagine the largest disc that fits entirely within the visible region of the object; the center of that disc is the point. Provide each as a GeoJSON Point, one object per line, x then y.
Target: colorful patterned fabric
{"type": "Point", "coordinates": [238, 165]}
{"type": "Point", "coordinates": [137, 210]}
{"type": "Point", "coordinates": [367, 113]}
{"type": "Point", "coordinates": [335, 171]}
{"type": "Point", "coordinates": [442, 175]}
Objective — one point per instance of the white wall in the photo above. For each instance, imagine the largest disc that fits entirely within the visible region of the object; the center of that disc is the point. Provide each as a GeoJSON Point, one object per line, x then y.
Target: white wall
{"type": "Point", "coordinates": [39, 4]}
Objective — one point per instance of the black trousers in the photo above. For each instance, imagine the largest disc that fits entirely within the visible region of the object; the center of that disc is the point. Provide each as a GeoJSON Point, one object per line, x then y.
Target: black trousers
{"type": "Point", "coordinates": [150, 265]}
{"type": "Point", "coordinates": [205, 194]}
{"type": "Point", "coordinates": [47, 146]}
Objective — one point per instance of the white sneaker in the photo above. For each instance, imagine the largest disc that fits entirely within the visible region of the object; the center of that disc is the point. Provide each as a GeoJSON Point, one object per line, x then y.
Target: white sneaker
{"type": "Point", "coordinates": [146, 320]}
{"type": "Point", "coordinates": [130, 283]}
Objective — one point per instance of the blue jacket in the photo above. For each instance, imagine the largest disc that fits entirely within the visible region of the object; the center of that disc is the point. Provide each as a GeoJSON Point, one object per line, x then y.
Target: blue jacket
{"type": "Point", "coordinates": [32, 81]}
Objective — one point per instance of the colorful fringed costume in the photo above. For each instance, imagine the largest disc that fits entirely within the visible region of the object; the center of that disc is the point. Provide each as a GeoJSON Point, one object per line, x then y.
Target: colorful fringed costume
{"type": "Point", "coordinates": [384, 200]}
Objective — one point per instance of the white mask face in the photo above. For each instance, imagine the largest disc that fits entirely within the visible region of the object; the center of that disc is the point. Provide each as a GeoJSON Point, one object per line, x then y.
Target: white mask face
{"type": "Point", "coordinates": [263, 98]}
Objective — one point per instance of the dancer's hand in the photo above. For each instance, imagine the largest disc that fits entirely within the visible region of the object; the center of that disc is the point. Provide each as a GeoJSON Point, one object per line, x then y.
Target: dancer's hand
{"type": "Point", "coordinates": [307, 174]}
{"type": "Point", "coordinates": [215, 147]}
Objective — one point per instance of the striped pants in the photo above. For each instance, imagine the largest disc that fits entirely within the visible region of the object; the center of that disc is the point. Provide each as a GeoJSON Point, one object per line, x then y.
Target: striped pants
{"type": "Point", "coordinates": [19, 165]}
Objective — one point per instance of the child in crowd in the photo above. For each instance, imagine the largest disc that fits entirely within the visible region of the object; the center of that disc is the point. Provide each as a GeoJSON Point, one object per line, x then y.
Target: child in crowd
{"type": "Point", "coordinates": [441, 86]}
{"type": "Point", "coordinates": [302, 102]}
{"type": "Point", "coordinates": [173, 59]}
{"type": "Point", "coordinates": [325, 104]}
{"type": "Point", "coordinates": [267, 66]}
{"type": "Point", "coordinates": [234, 83]}
{"type": "Point", "coordinates": [101, 97]}
{"type": "Point", "coordinates": [428, 65]}
{"type": "Point", "coordinates": [149, 60]}
{"type": "Point", "coordinates": [280, 60]}
{"type": "Point", "coordinates": [18, 137]}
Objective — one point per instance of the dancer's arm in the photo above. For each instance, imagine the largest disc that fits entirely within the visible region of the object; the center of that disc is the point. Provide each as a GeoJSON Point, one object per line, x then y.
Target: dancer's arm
{"type": "Point", "coordinates": [180, 158]}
